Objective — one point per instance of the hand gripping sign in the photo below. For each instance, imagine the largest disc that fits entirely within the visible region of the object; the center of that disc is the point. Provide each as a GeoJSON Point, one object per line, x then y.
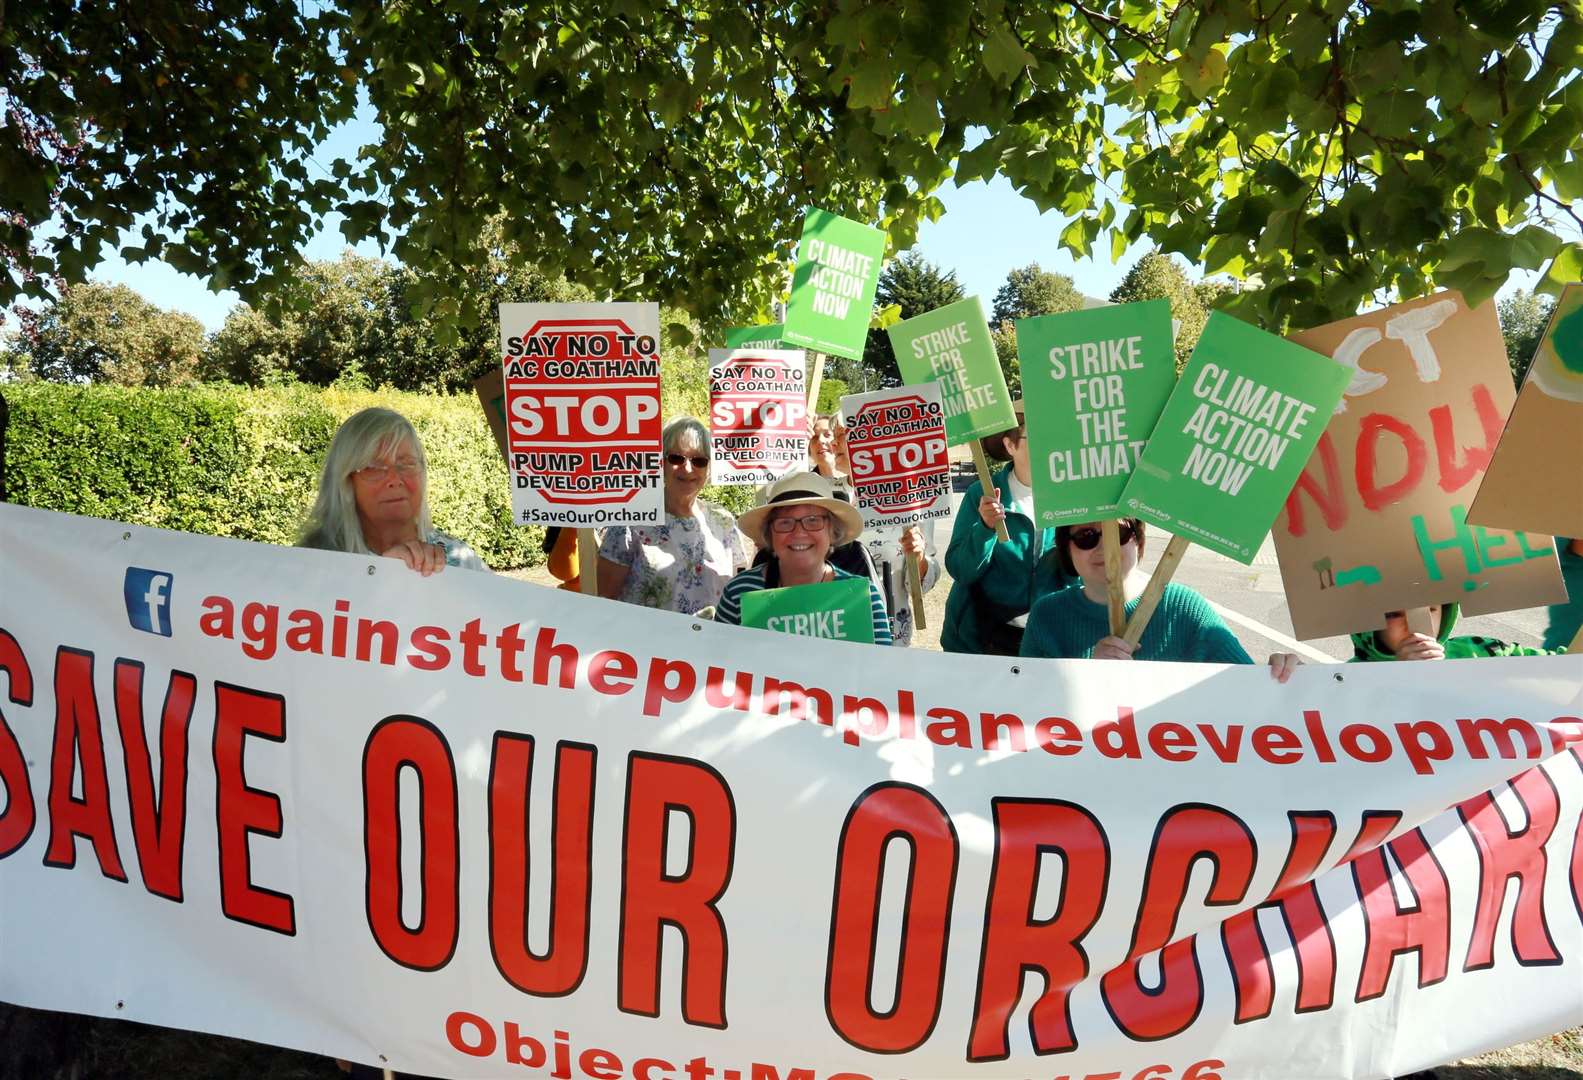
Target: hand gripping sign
{"type": "Point", "coordinates": [757, 414]}
{"type": "Point", "coordinates": [901, 474]}
{"type": "Point", "coordinates": [582, 386]}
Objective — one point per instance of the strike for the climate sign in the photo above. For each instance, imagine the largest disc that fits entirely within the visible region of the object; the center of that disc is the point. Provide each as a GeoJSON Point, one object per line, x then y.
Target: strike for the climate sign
{"type": "Point", "coordinates": [582, 385]}
{"type": "Point", "coordinates": [758, 414]}
{"type": "Point", "coordinates": [901, 472]}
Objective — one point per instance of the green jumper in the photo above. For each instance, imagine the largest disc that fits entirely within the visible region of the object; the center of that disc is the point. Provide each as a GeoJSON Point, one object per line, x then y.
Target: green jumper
{"type": "Point", "coordinates": [1367, 647]}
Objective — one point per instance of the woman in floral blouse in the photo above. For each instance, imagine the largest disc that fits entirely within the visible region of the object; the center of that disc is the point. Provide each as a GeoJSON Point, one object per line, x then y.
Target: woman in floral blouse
{"type": "Point", "coordinates": [683, 563]}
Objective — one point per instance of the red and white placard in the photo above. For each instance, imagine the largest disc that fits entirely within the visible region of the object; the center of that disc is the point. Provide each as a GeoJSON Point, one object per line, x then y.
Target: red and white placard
{"type": "Point", "coordinates": [758, 414]}
{"type": "Point", "coordinates": [901, 471]}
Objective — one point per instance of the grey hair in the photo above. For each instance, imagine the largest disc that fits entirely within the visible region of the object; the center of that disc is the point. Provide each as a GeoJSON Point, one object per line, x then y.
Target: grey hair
{"type": "Point", "coordinates": [685, 429]}
{"type": "Point", "coordinates": [362, 438]}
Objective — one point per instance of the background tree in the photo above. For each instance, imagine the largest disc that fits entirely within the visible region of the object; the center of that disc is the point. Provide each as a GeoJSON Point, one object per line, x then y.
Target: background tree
{"type": "Point", "coordinates": [109, 333]}
{"type": "Point", "coordinates": [1157, 276]}
{"type": "Point", "coordinates": [915, 285]}
{"type": "Point", "coordinates": [1030, 291]}
{"type": "Point", "coordinates": [1524, 317]}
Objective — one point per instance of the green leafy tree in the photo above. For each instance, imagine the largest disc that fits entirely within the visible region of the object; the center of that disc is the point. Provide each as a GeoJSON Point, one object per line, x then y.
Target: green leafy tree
{"type": "Point", "coordinates": [108, 333]}
{"type": "Point", "coordinates": [1157, 276]}
{"type": "Point", "coordinates": [1004, 337]}
{"type": "Point", "coordinates": [1030, 291]}
{"type": "Point", "coordinates": [1524, 317]}
{"type": "Point", "coordinates": [915, 285]}
{"type": "Point", "coordinates": [1321, 152]}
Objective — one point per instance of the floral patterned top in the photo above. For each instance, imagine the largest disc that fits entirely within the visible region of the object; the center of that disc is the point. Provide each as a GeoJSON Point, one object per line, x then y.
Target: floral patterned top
{"type": "Point", "coordinates": [681, 564]}
{"type": "Point", "coordinates": [457, 553]}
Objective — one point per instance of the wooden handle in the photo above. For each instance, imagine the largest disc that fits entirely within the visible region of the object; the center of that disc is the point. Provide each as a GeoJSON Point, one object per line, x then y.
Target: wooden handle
{"type": "Point", "coordinates": [915, 587]}
{"type": "Point", "coordinates": [1418, 621]}
{"type": "Point", "coordinates": [1577, 642]}
{"type": "Point", "coordinates": [588, 562]}
{"type": "Point", "coordinates": [815, 377]}
{"type": "Point", "coordinates": [1153, 591]}
{"type": "Point", "coordinates": [987, 483]}
{"type": "Point", "coordinates": [1115, 585]}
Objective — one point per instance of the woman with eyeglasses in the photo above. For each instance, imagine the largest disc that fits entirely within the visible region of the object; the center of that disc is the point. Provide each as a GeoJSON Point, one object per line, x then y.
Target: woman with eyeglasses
{"type": "Point", "coordinates": [1075, 623]}
{"type": "Point", "coordinates": [798, 523]}
{"type": "Point", "coordinates": [684, 562]}
{"type": "Point", "coordinates": [373, 497]}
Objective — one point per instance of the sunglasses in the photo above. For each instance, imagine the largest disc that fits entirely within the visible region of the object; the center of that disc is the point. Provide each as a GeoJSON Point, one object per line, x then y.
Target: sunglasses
{"type": "Point", "coordinates": [810, 522]}
{"type": "Point", "coordinates": [1087, 539]}
{"type": "Point", "coordinates": [678, 459]}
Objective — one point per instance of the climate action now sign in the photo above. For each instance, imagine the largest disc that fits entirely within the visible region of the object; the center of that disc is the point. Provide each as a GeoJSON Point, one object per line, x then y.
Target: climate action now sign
{"type": "Point", "coordinates": [582, 385]}
{"type": "Point", "coordinates": [950, 346]}
{"type": "Point", "coordinates": [832, 297]}
{"type": "Point", "coordinates": [1094, 383]}
{"type": "Point", "coordinates": [901, 468]}
{"type": "Point", "coordinates": [1234, 437]}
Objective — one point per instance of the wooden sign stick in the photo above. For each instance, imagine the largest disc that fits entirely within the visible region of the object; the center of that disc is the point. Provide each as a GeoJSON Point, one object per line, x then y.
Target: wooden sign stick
{"type": "Point", "coordinates": [815, 377]}
{"type": "Point", "coordinates": [1577, 642]}
{"type": "Point", "coordinates": [1418, 621]}
{"type": "Point", "coordinates": [987, 483]}
{"type": "Point", "coordinates": [1156, 587]}
{"type": "Point", "coordinates": [915, 587]}
{"type": "Point", "coordinates": [588, 562]}
{"type": "Point", "coordinates": [1115, 585]}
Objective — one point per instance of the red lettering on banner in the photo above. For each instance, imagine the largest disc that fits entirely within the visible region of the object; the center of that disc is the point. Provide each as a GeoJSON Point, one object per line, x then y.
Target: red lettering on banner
{"type": "Point", "coordinates": [16, 824]}
{"type": "Point", "coordinates": [1474, 461]}
{"type": "Point", "coordinates": [159, 825]}
{"type": "Point", "coordinates": [242, 811]}
{"type": "Point", "coordinates": [883, 813]}
{"type": "Point", "coordinates": [1390, 929]}
{"type": "Point", "coordinates": [560, 968]}
{"type": "Point", "coordinates": [397, 743]}
{"type": "Point", "coordinates": [1015, 942]}
{"type": "Point", "coordinates": [1577, 846]}
{"type": "Point", "coordinates": [653, 898]}
{"type": "Point", "coordinates": [1505, 853]}
{"type": "Point", "coordinates": [659, 687]}
{"type": "Point", "coordinates": [1374, 425]}
{"type": "Point", "coordinates": [78, 738]}
{"type": "Point", "coordinates": [1330, 499]}
{"type": "Point", "coordinates": [1185, 834]}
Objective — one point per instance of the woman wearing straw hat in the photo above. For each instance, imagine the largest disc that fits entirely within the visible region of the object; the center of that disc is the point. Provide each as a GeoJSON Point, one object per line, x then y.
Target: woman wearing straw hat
{"type": "Point", "coordinates": [798, 523]}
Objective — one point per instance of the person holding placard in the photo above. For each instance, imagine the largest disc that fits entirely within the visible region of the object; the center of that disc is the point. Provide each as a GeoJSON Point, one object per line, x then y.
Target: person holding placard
{"type": "Point", "coordinates": [1398, 641]}
{"type": "Point", "coordinates": [683, 563]}
{"type": "Point", "coordinates": [1074, 624]}
{"type": "Point", "coordinates": [798, 523]}
{"type": "Point", "coordinates": [827, 452]}
{"type": "Point", "coordinates": [993, 585]}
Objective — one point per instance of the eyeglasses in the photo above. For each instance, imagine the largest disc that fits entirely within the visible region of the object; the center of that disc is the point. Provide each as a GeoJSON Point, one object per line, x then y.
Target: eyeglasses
{"type": "Point", "coordinates": [1087, 539]}
{"type": "Point", "coordinates": [810, 522]}
{"type": "Point", "coordinates": [678, 459]}
{"type": "Point", "coordinates": [379, 471]}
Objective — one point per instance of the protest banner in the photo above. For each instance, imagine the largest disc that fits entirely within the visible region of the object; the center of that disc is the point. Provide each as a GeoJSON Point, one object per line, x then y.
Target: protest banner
{"type": "Point", "coordinates": [767, 336]}
{"type": "Point", "coordinates": [582, 385]}
{"type": "Point", "coordinates": [832, 294]}
{"type": "Point", "coordinates": [758, 416]}
{"type": "Point", "coordinates": [836, 610]}
{"type": "Point", "coordinates": [1377, 520]}
{"type": "Point", "coordinates": [314, 800]}
{"type": "Point", "coordinates": [951, 346]}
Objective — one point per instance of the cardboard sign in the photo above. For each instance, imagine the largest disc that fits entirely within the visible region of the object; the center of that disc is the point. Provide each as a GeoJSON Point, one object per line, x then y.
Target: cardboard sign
{"type": "Point", "coordinates": [838, 610]}
{"type": "Point", "coordinates": [1535, 480]}
{"type": "Point", "coordinates": [832, 296]}
{"type": "Point", "coordinates": [901, 467]}
{"type": "Point", "coordinates": [582, 389]}
{"type": "Point", "coordinates": [767, 336]}
{"type": "Point", "coordinates": [1093, 382]}
{"type": "Point", "coordinates": [1233, 437]}
{"type": "Point", "coordinates": [758, 415]}
{"type": "Point", "coordinates": [491, 390]}
{"type": "Point", "coordinates": [1377, 521]}
{"type": "Point", "coordinates": [951, 346]}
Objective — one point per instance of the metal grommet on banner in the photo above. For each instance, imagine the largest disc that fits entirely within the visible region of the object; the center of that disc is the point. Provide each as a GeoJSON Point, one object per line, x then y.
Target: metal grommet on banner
{"type": "Point", "coordinates": [120, 1005]}
{"type": "Point", "coordinates": [1015, 670]}
{"type": "Point", "coordinates": [370, 569]}
{"type": "Point", "coordinates": [126, 536]}
{"type": "Point", "coordinates": [1339, 678]}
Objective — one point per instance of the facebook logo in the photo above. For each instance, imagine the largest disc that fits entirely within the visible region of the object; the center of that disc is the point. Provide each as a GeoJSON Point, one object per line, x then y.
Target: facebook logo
{"type": "Point", "coordinates": [148, 600]}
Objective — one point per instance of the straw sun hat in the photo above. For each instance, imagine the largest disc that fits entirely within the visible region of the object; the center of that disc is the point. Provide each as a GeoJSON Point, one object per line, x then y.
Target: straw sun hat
{"type": "Point", "coordinates": [800, 489]}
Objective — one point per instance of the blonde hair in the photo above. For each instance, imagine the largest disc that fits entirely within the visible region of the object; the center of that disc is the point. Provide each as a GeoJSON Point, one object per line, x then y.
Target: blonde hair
{"type": "Point", "coordinates": [365, 437]}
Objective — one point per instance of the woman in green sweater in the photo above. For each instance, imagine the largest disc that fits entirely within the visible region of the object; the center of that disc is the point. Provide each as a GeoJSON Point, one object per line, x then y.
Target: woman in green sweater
{"type": "Point", "coordinates": [1398, 641]}
{"type": "Point", "coordinates": [1075, 623]}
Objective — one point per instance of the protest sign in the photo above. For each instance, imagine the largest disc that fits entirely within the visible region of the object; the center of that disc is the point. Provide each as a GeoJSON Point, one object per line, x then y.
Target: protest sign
{"type": "Point", "coordinates": [832, 295]}
{"type": "Point", "coordinates": [837, 610]}
{"type": "Point", "coordinates": [463, 826]}
{"type": "Point", "coordinates": [1233, 437]}
{"type": "Point", "coordinates": [491, 391]}
{"type": "Point", "coordinates": [1093, 382]}
{"type": "Point", "coordinates": [1377, 521]}
{"type": "Point", "coordinates": [767, 336]}
{"type": "Point", "coordinates": [951, 346]}
{"type": "Point", "coordinates": [757, 414]}
{"type": "Point", "coordinates": [901, 470]}
{"type": "Point", "coordinates": [582, 385]}
{"type": "Point", "coordinates": [1535, 480]}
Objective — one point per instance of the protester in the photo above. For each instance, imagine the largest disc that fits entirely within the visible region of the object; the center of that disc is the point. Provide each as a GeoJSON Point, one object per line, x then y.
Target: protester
{"type": "Point", "coordinates": [798, 523]}
{"type": "Point", "coordinates": [1399, 642]}
{"type": "Point", "coordinates": [684, 562]}
{"type": "Point", "coordinates": [1075, 623]}
{"type": "Point", "coordinates": [373, 497]}
{"type": "Point", "coordinates": [1567, 617]}
{"type": "Point", "coordinates": [890, 549]}
{"type": "Point", "coordinates": [994, 583]}
{"type": "Point", "coordinates": [827, 448]}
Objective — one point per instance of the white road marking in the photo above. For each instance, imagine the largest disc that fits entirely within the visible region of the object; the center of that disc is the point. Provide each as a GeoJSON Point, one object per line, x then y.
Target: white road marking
{"type": "Point", "coordinates": [1273, 634]}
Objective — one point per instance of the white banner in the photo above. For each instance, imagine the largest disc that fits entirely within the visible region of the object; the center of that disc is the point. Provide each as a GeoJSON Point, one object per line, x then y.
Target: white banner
{"type": "Point", "coordinates": [462, 824]}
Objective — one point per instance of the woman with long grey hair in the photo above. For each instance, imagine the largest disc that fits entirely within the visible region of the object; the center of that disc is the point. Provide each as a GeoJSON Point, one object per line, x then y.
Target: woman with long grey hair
{"type": "Point", "coordinates": [373, 497]}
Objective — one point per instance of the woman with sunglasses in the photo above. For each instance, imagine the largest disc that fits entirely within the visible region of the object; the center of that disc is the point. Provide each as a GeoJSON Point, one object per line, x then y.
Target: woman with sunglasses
{"type": "Point", "coordinates": [798, 523]}
{"type": "Point", "coordinates": [1075, 624]}
{"type": "Point", "coordinates": [684, 562]}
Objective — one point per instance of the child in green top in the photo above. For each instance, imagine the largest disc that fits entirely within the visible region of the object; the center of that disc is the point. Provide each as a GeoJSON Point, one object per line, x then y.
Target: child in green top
{"type": "Point", "coordinates": [1398, 641]}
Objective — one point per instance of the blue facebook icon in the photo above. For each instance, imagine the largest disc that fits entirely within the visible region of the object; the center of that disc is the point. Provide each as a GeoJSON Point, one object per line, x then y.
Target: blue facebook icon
{"type": "Point", "coordinates": [148, 600]}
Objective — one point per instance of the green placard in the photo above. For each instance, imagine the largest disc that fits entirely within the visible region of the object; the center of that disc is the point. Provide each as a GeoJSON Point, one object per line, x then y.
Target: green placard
{"type": "Point", "coordinates": [767, 336]}
{"type": "Point", "coordinates": [832, 297]}
{"type": "Point", "coordinates": [1236, 433]}
{"type": "Point", "coordinates": [838, 610]}
{"type": "Point", "coordinates": [951, 346]}
{"type": "Point", "coordinates": [1093, 383]}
